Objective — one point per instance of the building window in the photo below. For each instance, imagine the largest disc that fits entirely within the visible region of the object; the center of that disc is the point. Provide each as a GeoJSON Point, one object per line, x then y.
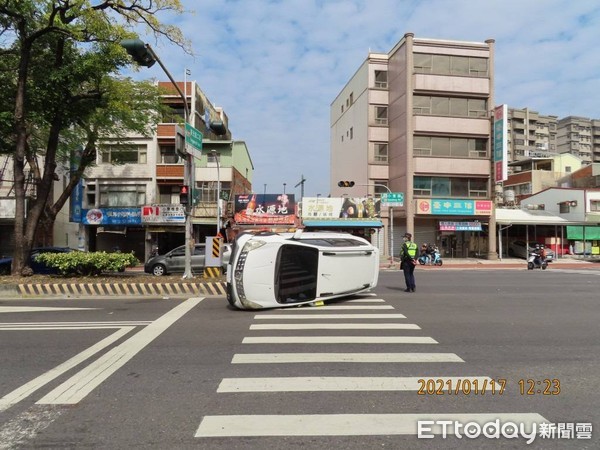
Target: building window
{"type": "Point", "coordinates": [450, 65]}
{"type": "Point", "coordinates": [168, 155]}
{"type": "Point", "coordinates": [450, 187]}
{"type": "Point", "coordinates": [207, 190]}
{"type": "Point", "coordinates": [451, 147]}
{"type": "Point", "coordinates": [351, 132]}
{"type": "Point", "coordinates": [381, 79]}
{"type": "Point", "coordinates": [449, 106]}
{"type": "Point", "coordinates": [123, 154]}
{"type": "Point", "coordinates": [168, 194]}
{"type": "Point", "coordinates": [381, 115]}
{"type": "Point", "coordinates": [351, 98]}
{"type": "Point", "coordinates": [122, 195]}
{"type": "Point", "coordinates": [380, 152]}
{"type": "Point", "coordinates": [564, 207]}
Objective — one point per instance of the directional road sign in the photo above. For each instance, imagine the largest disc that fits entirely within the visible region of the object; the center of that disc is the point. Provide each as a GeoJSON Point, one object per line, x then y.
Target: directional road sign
{"type": "Point", "coordinates": [193, 141]}
{"type": "Point", "coordinates": [392, 199]}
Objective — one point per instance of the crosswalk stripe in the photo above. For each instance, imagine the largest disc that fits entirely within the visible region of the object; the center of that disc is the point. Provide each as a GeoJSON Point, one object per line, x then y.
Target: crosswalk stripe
{"type": "Point", "coordinates": [346, 424]}
{"type": "Point", "coordinates": [339, 340]}
{"type": "Point", "coordinates": [340, 307]}
{"type": "Point", "coordinates": [278, 358]}
{"type": "Point", "coordinates": [366, 300]}
{"type": "Point", "coordinates": [335, 326]}
{"type": "Point", "coordinates": [327, 316]}
{"type": "Point", "coordinates": [315, 384]}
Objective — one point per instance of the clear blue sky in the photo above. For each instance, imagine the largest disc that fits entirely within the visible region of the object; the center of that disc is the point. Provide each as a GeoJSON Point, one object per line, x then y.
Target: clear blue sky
{"type": "Point", "coordinates": [276, 66]}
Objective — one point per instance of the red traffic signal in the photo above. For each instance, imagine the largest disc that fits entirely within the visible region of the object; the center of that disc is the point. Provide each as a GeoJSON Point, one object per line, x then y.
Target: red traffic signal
{"type": "Point", "coordinates": [346, 183]}
{"type": "Point", "coordinates": [183, 195]}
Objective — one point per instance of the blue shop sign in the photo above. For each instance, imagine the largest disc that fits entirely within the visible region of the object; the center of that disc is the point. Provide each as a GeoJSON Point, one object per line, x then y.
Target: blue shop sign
{"type": "Point", "coordinates": [112, 216]}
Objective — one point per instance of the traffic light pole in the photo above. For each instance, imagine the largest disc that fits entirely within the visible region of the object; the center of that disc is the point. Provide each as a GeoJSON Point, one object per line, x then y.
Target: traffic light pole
{"type": "Point", "coordinates": [144, 55]}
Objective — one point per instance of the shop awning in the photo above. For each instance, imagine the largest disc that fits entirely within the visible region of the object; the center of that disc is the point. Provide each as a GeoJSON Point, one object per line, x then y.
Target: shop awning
{"type": "Point", "coordinates": [343, 223]}
{"type": "Point", "coordinates": [592, 233]}
{"type": "Point", "coordinates": [528, 217]}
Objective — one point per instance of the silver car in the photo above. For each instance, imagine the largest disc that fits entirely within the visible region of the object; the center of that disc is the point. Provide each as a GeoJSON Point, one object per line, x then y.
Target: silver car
{"type": "Point", "coordinates": [517, 248]}
{"type": "Point", "coordinates": [174, 261]}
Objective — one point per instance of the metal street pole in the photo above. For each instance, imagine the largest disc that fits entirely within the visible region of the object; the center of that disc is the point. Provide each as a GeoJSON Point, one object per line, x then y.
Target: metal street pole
{"type": "Point", "coordinates": [216, 156]}
{"type": "Point", "coordinates": [144, 55]}
{"type": "Point", "coordinates": [391, 218]}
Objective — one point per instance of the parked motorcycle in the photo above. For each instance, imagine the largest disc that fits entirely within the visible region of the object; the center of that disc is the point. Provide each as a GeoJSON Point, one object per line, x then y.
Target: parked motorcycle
{"type": "Point", "coordinates": [537, 261]}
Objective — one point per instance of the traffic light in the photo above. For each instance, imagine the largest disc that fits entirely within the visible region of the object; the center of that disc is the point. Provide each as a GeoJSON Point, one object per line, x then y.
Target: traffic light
{"type": "Point", "coordinates": [139, 52]}
{"type": "Point", "coordinates": [184, 195]}
{"type": "Point", "coordinates": [346, 183]}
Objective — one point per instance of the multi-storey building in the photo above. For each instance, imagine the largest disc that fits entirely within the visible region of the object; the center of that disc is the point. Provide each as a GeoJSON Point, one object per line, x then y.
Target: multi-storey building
{"type": "Point", "coordinates": [579, 136]}
{"type": "Point", "coordinates": [130, 200]}
{"type": "Point", "coordinates": [418, 120]}
{"type": "Point", "coordinates": [530, 134]}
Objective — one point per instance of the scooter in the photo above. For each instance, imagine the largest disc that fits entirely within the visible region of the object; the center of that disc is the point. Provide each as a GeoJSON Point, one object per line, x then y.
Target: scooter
{"type": "Point", "coordinates": [435, 259]}
{"type": "Point", "coordinates": [536, 261]}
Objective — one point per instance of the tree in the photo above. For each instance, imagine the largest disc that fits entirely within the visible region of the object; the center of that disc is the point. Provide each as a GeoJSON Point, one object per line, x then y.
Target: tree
{"type": "Point", "coordinates": [64, 53]}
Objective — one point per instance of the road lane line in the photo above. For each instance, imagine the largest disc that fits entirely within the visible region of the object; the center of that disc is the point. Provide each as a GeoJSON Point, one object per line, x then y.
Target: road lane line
{"type": "Point", "coordinates": [339, 340]}
{"type": "Point", "coordinates": [85, 381]}
{"type": "Point", "coordinates": [278, 358]}
{"type": "Point", "coordinates": [345, 424]}
{"type": "Point", "coordinates": [366, 300]}
{"type": "Point", "coordinates": [340, 307]}
{"type": "Point", "coordinates": [314, 384]}
{"type": "Point", "coordinates": [327, 316]}
{"type": "Point", "coordinates": [335, 326]}
{"type": "Point", "coordinates": [28, 388]}
{"type": "Point", "coordinates": [22, 309]}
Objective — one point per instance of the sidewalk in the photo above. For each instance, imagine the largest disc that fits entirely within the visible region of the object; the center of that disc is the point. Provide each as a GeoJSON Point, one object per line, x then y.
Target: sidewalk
{"type": "Point", "coordinates": [504, 263]}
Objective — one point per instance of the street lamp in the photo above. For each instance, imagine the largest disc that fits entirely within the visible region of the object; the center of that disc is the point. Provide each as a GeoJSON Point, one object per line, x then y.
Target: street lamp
{"type": "Point", "coordinates": [216, 156]}
{"type": "Point", "coordinates": [144, 55]}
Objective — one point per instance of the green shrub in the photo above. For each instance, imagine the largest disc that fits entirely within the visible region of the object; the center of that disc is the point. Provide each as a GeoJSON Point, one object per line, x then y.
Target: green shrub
{"type": "Point", "coordinates": [86, 263]}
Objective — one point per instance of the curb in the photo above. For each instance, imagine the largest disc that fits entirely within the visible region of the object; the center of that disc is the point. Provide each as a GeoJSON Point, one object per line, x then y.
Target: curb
{"type": "Point", "coordinates": [113, 289]}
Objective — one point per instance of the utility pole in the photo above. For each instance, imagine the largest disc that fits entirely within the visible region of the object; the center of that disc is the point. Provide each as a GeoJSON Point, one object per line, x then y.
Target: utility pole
{"type": "Point", "coordinates": [301, 183]}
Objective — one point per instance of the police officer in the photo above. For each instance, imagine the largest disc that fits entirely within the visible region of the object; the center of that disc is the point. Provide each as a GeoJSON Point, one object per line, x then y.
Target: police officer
{"type": "Point", "coordinates": [408, 253]}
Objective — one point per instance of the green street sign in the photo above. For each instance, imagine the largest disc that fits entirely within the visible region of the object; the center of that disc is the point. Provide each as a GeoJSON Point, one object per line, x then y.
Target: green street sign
{"type": "Point", "coordinates": [392, 199]}
{"type": "Point", "coordinates": [193, 140]}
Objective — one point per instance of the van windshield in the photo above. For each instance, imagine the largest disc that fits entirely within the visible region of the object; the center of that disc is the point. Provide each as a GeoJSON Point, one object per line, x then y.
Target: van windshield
{"type": "Point", "coordinates": [296, 274]}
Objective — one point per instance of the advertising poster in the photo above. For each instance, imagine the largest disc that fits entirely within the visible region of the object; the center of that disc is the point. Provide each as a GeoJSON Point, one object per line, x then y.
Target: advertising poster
{"type": "Point", "coordinates": [265, 209]}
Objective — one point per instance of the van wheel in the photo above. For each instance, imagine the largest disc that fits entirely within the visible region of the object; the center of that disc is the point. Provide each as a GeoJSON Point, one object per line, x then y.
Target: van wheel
{"type": "Point", "coordinates": [159, 270]}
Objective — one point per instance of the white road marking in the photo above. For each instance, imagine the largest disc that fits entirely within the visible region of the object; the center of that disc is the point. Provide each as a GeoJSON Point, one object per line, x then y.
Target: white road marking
{"type": "Point", "coordinates": [340, 307]}
{"type": "Point", "coordinates": [327, 316]}
{"type": "Point", "coordinates": [366, 300]}
{"type": "Point", "coordinates": [315, 384]}
{"type": "Point", "coordinates": [339, 340]}
{"type": "Point", "coordinates": [124, 323]}
{"type": "Point", "coordinates": [344, 424]}
{"type": "Point", "coordinates": [22, 309]}
{"type": "Point", "coordinates": [82, 383]}
{"type": "Point", "coordinates": [275, 358]}
{"type": "Point", "coordinates": [28, 388]}
{"type": "Point", "coordinates": [335, 326]}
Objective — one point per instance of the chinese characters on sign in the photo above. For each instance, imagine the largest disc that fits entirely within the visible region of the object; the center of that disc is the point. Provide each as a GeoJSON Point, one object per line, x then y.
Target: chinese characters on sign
{"type": "Point", "coordinates": [340, 208]}
{"type": "Point", "coordinates": [163, 214]}
{"type": "Point", "coordinates": [265, 209]}
{"type": "Point", "coordinates": [456, 207]}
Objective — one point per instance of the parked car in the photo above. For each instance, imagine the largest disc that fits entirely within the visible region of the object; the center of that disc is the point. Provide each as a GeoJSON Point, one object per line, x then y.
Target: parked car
{"type": "Point", "coordinates": [271, 270]}
{"type": "Point", "coordinates": [174, 261]}
{"type": "Point", "coordinates": [517, 248]}
{"type": "Point", "coordinates": [37, 267]}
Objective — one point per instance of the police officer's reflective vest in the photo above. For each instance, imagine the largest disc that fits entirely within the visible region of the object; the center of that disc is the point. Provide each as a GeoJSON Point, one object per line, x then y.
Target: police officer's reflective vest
{"type": "Point", "coordinates": [409, 250]}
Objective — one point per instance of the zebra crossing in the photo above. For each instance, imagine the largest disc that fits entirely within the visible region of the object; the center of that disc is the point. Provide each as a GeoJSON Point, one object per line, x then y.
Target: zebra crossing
{"type": "Point", "coordinates": [337, 317]}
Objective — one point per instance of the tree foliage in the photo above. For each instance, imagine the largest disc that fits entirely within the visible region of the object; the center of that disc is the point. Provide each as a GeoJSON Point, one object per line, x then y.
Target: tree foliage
{"type": "Point", "coordinates": [59, 66]}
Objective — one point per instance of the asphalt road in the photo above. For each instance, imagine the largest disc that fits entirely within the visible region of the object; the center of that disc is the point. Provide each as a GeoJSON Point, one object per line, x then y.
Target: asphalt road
{"type": "Point", "coordinates": [155, 373]}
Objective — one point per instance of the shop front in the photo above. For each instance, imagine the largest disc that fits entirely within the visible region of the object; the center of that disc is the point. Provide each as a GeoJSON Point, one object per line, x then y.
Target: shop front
{"type": "Point", "coordinates": [458, 227]}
